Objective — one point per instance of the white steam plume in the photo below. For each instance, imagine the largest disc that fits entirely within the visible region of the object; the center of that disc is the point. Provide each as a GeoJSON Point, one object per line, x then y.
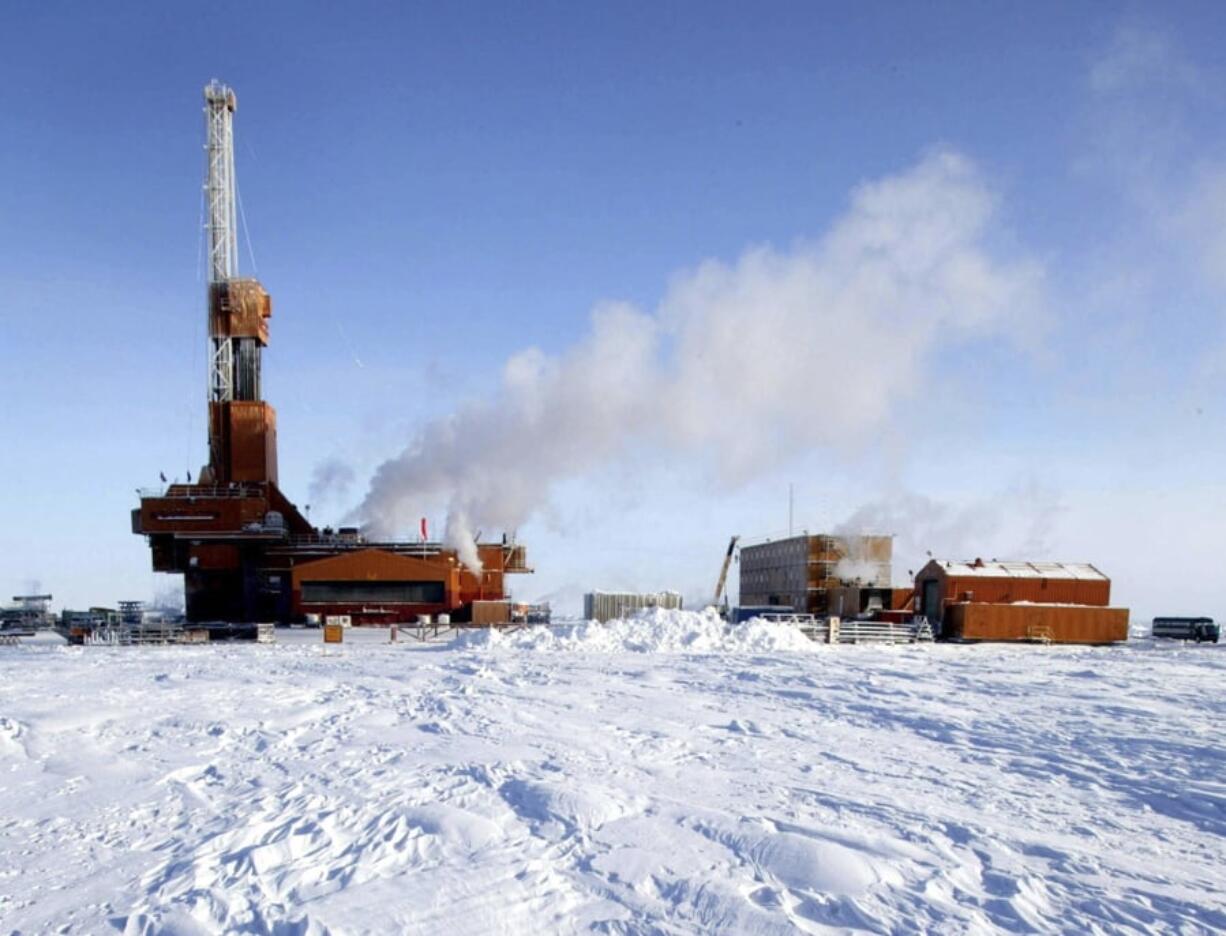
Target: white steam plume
{"type": "Point", "coordinates": [779, 352]}
{"type": "Point", "coordinates": [863, 571]}
{"type": "Point", "coordinates": [1017, 522]}
{"type": "Point", "coordinates": [459, 536]}
{"type": "Point", "coordinates": [330, 480]}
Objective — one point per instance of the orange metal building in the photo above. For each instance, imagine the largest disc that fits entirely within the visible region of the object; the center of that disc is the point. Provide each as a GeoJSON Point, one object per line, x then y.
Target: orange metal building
{"type": "Point", "coordinates": [1060, 602]}
{"type": "Point", "coordinates": [384, 583]}
{"type": "Point", "coordinates": [374, 585]}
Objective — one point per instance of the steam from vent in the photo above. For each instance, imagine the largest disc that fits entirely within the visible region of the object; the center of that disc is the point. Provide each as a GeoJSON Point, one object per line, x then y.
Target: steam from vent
{"type": "Point", "coordinates": [330, 480]}
{"type": "Point", "coordinates": [459, 536]}
{"type": "Point", "coordinates": [781, 351]}
{"type": "Point", "coordinates": [1017, 522]}
{"type": "Point", "coordinates": [861, 571]}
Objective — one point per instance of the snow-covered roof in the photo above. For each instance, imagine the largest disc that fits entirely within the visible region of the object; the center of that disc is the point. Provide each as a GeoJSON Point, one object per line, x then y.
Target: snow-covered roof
{"type": "Point", "coordinates": [971, 568]}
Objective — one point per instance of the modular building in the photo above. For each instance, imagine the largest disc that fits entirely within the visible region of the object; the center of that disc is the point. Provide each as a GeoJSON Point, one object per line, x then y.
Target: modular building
{"type": "Point", "coordinates": [1057, 602]}
{"type": "Point", "coordinates": [609, 606]}
{"type": "Point", "coordinates": [27, 614]}
{"type": "Point", "coordinates": [803, 572]}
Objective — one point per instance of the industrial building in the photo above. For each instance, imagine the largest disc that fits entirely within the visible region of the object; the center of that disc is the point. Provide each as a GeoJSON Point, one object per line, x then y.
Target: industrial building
{"type": "Point", "coordinates": [1051, 602]}
{"type": "Point", "coordinates": [247, 554]}
{"type": "Point", "coordinates": [27, 615]}
{"type": "Point", "coordinates": [609, 606]}
{"type": "Point", "coordinates": [805, 573]}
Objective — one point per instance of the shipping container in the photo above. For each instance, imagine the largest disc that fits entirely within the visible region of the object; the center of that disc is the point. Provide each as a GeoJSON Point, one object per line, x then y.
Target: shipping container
{"type": "Point", "coordinates": [610, 606]}
{"type": "Point", "coordinates": [489, 613]}
{"type": "Point", "coordinates": [1046, 623]}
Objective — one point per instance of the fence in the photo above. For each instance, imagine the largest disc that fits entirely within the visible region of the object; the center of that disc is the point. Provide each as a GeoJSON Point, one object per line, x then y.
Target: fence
{"type": "Point", "coordinates": [127, 635]}
{"type": "Point", "coordinates": [833, 630]}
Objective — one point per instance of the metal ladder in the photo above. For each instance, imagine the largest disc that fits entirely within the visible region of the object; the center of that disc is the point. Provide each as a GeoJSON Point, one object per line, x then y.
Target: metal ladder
{"type": "Point", "coordinates": [1039, 633]}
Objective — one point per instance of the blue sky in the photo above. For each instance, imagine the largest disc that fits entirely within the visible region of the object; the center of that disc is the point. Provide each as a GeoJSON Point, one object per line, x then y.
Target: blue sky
{"type": "Point", "coordinates": [432, 191]}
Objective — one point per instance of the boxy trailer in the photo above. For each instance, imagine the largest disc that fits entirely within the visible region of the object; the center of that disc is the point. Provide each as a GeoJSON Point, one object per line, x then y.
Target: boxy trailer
{"type": "Point", "coordinates": [1200, 629]}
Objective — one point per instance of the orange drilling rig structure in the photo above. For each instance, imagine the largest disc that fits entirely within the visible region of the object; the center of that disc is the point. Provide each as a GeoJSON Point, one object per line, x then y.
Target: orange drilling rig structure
{"type": "Point", "coordinates": [247, 554]}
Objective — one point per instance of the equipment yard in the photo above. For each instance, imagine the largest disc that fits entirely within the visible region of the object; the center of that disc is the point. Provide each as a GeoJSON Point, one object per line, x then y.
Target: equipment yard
{"type": "Point", "coordinates": [532, 783]}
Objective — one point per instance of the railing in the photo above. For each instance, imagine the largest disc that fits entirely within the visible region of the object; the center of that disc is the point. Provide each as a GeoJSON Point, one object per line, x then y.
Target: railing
{"type": "Point", "coordinates": [423, 631]}
{"type": "Point", "coordinates": [194, 491]}
{"type": "Point", "coordinates": [854, 631]}
{"type": "Point", "coordinates": [127, 635]}
{"type": "Point", "coordinates": [1039, 633]}
{"type": "Point", "coordinates": [357, 541]}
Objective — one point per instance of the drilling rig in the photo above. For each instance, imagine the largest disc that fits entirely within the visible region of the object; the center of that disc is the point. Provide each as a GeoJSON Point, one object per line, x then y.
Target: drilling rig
{"type": "Point", "coordinates": [242, 427]}
{"type": "Point", "coordinates": [216, 531]}
{"type": "Point", "coordinates": [246, 553]}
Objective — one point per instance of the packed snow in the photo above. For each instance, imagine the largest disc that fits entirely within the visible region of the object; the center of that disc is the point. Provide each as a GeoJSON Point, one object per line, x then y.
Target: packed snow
{"type": "Point", "coordinates": [728, 784]}
{"type": "Point", "coordinates": [658, 630]}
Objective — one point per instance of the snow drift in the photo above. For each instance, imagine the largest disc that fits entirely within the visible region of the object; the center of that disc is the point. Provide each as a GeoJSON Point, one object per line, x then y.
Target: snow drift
{"type": "Point", "coordinates": [656, 630]}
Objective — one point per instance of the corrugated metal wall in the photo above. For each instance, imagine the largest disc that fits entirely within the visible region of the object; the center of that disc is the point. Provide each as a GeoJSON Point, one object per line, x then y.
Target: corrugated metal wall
{"type": "Point", "coordinates": [491, 612]}
{"type": "Point", "coordinates": [1057, 623]}
{"type": "Point", "coordinates": [609, 606]}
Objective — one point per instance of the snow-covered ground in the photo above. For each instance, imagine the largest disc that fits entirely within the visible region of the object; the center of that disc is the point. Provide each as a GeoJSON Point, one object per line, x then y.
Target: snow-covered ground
{"type": "Point", "coordinates": [540, 784]}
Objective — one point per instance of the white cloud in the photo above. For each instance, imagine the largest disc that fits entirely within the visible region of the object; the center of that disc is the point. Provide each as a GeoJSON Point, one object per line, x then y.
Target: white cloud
{"type": "Point", "coordinates": [1201, 222]}
{"type": "Point", "coordinates": [1140, 58]}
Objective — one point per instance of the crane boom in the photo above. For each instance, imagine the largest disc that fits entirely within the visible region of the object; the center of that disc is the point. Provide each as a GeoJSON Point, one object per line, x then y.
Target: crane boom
{"type": "Point", "coordinates": [723, 572]}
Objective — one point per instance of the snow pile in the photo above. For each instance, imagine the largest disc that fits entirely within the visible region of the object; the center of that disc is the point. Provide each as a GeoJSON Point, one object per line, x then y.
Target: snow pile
{"type": "Point", "coordinates": [656, 630]}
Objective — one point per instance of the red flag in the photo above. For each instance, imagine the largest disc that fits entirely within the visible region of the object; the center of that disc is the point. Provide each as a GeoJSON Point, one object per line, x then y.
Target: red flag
{"type": "Point", "coordinates": [424, 534]}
